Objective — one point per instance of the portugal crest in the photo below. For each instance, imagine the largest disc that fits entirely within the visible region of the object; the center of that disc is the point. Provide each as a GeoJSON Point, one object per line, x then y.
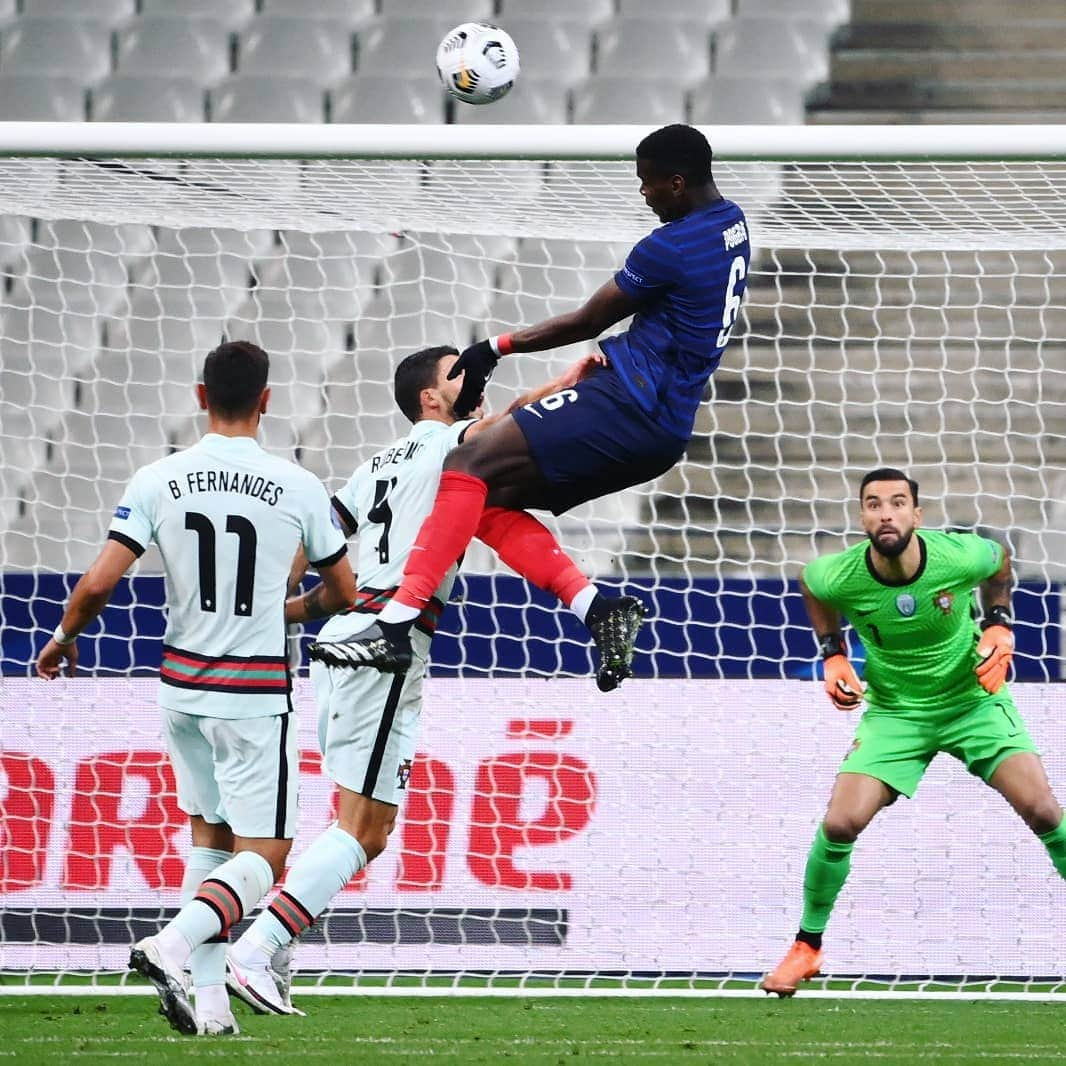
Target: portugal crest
{"type": "Point", "coordinates": [944, 601]}
{"type": "Point", "coordinates": [906, 604]}
{"type": "Point", "coordinates": [403, 773]}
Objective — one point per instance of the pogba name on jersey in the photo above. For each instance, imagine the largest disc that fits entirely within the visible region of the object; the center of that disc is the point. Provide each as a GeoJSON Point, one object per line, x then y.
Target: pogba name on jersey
{"type": "Point", "coordinates": [227, 481]}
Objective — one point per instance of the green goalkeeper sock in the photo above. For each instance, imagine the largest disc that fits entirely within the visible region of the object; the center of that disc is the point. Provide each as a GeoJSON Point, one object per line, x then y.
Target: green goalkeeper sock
{"type": "Point", "coordinates": [827, 869]}
{"type": "Point", "coordinates": [1055, 842]}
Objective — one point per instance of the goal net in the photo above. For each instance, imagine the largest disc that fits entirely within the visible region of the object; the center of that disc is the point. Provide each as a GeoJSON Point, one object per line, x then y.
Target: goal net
{"type": "Point", "coordinates": [898, 313]}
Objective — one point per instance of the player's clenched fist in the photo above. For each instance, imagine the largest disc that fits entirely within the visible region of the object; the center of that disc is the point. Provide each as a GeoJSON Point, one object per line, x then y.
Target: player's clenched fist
{"type": "Point", "coordinates": [842, 684]}
{"type": "Point", "coordinates": [476, 364]}
{"type": "Point", "coordinates": [994, 654]}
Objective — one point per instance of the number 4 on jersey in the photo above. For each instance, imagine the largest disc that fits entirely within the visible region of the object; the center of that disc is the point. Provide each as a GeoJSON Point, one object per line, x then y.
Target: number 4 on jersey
{"type": "Point", "coordinates": [381, 513]}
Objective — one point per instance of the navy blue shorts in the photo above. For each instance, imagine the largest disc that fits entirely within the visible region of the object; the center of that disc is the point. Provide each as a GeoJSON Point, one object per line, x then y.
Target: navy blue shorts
{"type": "Point", "coordinates": [593, 439]}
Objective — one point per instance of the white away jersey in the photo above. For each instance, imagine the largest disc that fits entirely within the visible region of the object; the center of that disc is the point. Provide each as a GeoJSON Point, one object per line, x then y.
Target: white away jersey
{"type": "Point", "coordinates": [386, 501]}
{"type": "Point", "coordinates": [228, 518]}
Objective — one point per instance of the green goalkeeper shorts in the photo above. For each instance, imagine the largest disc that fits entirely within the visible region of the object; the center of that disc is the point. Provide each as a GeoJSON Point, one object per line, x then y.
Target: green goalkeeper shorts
{"type": "Point", "coordinates": [896, 748]}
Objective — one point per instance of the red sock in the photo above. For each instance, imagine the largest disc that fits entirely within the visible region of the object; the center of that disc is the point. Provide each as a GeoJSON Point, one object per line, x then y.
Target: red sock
{"type": "Point", "coordinates": [529, 549]}
{"type": "Point", "coordinates": [444, 535]}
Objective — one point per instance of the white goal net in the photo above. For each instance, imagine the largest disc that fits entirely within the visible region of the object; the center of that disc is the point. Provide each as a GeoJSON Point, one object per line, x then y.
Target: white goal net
{"type": "Point", "coordinates": [899, 313]}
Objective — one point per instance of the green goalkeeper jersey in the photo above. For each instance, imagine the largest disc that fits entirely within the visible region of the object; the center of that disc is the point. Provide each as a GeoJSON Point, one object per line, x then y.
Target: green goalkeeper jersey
{"type": "Point", "coordinates": [920, 635]}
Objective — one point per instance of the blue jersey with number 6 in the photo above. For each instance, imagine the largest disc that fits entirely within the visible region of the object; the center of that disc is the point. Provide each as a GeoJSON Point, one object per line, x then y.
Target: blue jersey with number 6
{"type": "Point", "coordinates": [689, 276]}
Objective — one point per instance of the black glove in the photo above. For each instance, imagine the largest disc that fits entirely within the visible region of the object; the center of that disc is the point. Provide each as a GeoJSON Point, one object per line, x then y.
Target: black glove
{"type": "Point", "coordinates": [477, 364]}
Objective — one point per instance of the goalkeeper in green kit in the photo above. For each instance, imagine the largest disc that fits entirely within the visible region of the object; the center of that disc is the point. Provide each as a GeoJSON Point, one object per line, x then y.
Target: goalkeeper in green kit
{"type": "Point", "coordinates": [935, 682]}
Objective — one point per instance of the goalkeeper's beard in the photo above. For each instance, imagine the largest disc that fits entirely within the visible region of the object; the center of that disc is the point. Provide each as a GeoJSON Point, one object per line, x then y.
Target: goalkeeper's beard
{"type": "Point", "coordinates": [891, 551]}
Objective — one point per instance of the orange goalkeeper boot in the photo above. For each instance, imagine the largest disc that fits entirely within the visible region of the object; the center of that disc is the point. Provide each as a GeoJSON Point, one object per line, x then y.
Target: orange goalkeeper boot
{"type": "Point", "coordinates": [800, 964]}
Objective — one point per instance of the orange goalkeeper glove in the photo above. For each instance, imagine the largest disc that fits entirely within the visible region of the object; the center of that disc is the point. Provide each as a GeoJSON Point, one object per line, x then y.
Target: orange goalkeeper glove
{"type": "Point", "coordinates": [842, 684]}
{"type": "Point", "coordinates": [995, 649]}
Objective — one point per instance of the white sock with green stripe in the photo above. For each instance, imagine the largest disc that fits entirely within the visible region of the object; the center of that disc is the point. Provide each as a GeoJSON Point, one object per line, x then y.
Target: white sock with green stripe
{"type": "Point", "coordinates": [330, 862]}
{"type": "Point", "coordinates": [220, 902]}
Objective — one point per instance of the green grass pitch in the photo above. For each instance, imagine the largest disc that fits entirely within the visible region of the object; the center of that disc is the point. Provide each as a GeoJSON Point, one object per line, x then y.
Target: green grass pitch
{"type": "Point", "coordinates": [358, 1029]}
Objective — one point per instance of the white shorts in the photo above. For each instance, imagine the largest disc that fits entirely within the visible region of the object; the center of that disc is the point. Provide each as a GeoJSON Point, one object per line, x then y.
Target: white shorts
{"type": "Point", "coordinates": [243, 772]}
{"type": "Point", "coordinates": [368, 725]}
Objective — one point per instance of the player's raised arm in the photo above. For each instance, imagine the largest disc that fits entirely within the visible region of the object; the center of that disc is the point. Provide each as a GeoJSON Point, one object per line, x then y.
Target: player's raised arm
{"type": "Point", "coordinates": [574, 373]}
{"type": "Point", "coordinates": [842, 684]}
{"type": "Point", "coordinates": [606, 306]}
{"type": "Point", "coordinates": [996, 648]}
{"type": "Point", "coordinates": [89, 598]}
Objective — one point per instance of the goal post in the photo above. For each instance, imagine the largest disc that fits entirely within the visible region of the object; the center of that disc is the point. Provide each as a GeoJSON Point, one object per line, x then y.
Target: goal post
{"type": "Point", "coordinates": [905, 307]}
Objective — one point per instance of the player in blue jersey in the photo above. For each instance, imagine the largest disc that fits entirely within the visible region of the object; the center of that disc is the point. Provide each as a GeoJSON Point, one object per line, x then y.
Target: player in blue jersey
{"type": "Point", "coordinates": [624, 425]}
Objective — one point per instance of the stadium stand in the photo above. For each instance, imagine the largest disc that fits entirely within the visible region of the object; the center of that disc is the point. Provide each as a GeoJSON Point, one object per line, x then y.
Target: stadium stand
{"type": "Point", "coordinates": [148, 98]}
{"type": "Point", "coordinates": [58, 47]}
{"type": "Point", "coordinates": [290, 46]}
{"type": "Point", "coordinates": [42, 98]}
{"type": "Point", "coordinates": [166, 45]}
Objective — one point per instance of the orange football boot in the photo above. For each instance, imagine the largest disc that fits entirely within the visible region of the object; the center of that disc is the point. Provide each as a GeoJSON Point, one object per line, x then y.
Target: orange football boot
{"type": "Point", "coordinates": [800, 964]}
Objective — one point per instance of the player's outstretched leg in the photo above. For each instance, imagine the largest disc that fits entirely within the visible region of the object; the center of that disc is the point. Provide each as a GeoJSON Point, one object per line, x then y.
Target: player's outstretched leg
{"type": "Point", "coordinates": [614, 625]}
{"type": "Point", "coordinates": [166, 973]}
{"type": "Point", "coordinates": [315, 878]}
{"type": "Point", "coordinates": [388, 652]}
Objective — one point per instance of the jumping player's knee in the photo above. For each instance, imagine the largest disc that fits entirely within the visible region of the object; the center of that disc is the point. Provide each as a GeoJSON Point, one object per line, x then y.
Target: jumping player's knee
{"type": "Point", "coordinates": [1041, 814]}
{"type": "Point", "coordinates": [842, 828]}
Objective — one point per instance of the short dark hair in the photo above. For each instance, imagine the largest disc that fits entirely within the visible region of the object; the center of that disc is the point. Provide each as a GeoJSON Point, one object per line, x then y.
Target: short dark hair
{"type": "Point", "coordinates": [889, 473]}
{"type": "Point", "coordinates": [678, 149]}
{"type": "Point", "coordinates": [415, 373]}
{"type": "Point", "coordinates": [235, 374]}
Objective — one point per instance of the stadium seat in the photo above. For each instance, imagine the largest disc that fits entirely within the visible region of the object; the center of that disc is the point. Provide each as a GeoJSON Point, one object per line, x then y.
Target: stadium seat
{"type": "Point", "coordinates": [233, 14]}
{"type": "Point", "coordinates": [629, 100]}
{"type": "Point", "coordinates": [829, 12]}
{"type": "Point", "coordinates": [299, 350]}
{"type": "Point", "coordinates": [400, 48]}
{"type": "Point", "coordinates": [372, 99]}
{"type": "Point", "coordinates": [43, 350]}
{"type": "Point", "coordinates": [41, 98]}
{"type": "Point", "coordinates": [15, 233]}
{"type": "Point", "coordinates": [160, 357]}
{"type": "Point", "coordinates": [161, 45]}
{"type": "Point", "coordinates": [351, 12]}
{"type": "Point", "coordinates": [442, 274]}
{"type": "Point", "coordinates": [128, 242]}
{"type": "Point", "coordinates": [453, 11]}
{"type": "Point", "coordinates": [56, 46]}
{"type": "Point", "coordinates": [84, 281]}
{"type": "Point", "coordinates": [681, 51]}
{"type": "Point", "coordinates": [280, 46]}
{"type": "Point", "coordinates": [537, 101]}
{"type": "Point", "coordinates": [259, 98]}
{"type": "Point", "coordinates": [729, 100]}
{"type": "Point", "coordinates": [111, 13]}
{"type": "Point", "coordinates": [770, 47]}
{"type": "Point", "coordinates": [137, 98]}
{"type": "Point", "coordinates": [105, 414]}
{"type": "Point", "coordinates": [707, 12]}
{"type": "Point", "coordinates": [382, 331]}
{"type": "Point", "coordinates": [590, 12]}
{"type": "Point", "coordinates": [322, 275]}
{"type": "Point", "coordinates": [332, 446]}
{"type": "Point", "coordinates": [552, 49]}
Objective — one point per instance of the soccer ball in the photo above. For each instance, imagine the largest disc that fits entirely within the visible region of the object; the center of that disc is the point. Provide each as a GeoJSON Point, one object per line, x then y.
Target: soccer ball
{"type": "Point", "coordinates": [477, 63]}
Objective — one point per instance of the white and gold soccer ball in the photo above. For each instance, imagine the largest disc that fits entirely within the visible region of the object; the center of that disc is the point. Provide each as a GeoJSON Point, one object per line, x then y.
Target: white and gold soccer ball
{"type": "Point", "coordinates": [477, 63]}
